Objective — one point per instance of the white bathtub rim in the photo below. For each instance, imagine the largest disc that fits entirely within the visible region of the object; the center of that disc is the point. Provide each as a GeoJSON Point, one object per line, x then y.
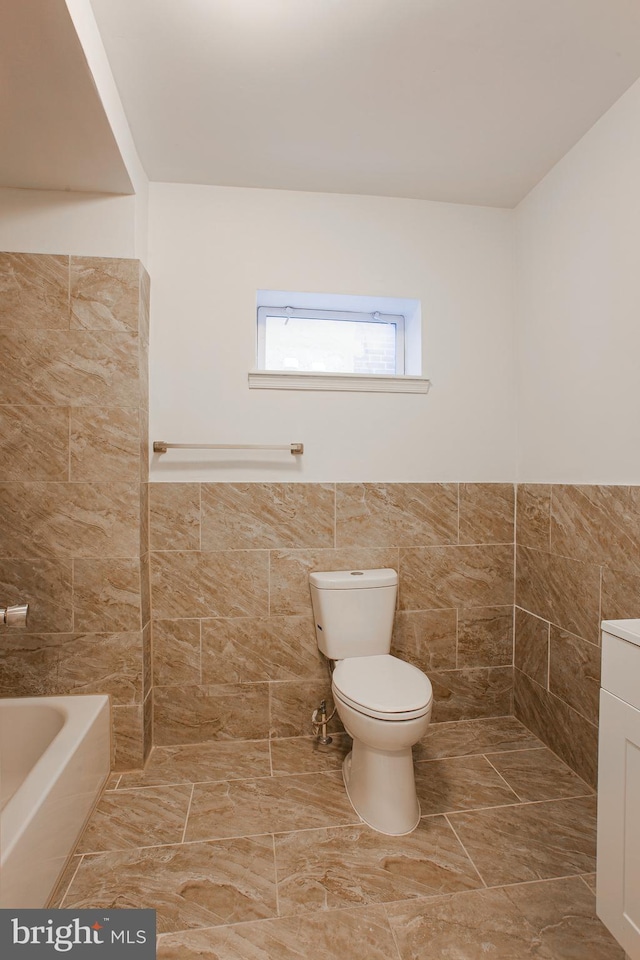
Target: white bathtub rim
{"type": "Point", "coordinates": [24, 805]}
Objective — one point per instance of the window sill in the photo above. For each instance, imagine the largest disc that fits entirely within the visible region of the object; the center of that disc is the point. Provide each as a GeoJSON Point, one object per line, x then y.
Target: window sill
{"type": "Point", "coordinates": [348, 382]}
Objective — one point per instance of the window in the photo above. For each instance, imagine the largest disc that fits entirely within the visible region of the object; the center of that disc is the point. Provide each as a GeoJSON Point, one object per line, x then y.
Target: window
{"type": "Point", "coordinates": [313, 341]}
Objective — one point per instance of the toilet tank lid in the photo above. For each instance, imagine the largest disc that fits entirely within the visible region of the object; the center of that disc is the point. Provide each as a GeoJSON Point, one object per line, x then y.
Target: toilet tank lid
{"type": "Point", "coordinates": [354, 579]}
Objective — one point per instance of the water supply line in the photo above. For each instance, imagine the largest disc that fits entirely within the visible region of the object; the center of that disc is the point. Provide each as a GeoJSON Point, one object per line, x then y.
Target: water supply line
{"type": "Point", "coordinates": [320, 722]}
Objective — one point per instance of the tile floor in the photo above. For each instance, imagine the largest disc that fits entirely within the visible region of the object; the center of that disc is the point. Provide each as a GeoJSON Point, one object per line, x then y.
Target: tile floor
{"type": "Point", "coordinates": [251, 851]}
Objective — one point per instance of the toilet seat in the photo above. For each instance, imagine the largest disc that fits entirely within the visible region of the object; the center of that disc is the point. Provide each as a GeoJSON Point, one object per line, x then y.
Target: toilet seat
{"type": "Point", "coordinates": [383, 687]}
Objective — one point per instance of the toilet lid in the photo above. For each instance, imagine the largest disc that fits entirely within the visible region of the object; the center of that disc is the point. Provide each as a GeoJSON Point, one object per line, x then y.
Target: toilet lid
{"type": "Point", "coordinates": [383, 684]}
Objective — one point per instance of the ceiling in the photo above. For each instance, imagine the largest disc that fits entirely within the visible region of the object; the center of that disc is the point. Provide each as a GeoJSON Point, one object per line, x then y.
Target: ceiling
{"type": "Point", "coordinates": [471, 101]}
{"type": "Point", "coordinates": [55, 133]}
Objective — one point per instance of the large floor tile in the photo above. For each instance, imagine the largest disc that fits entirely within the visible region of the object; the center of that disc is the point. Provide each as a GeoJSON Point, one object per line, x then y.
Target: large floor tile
{"type": "Point", "coordinates": [306, 755]}
{"type": "Point", "coordinates": [461, 738]}
{"type": "Point", "coordinates": [553, 920]}
{"type": "Point", "coordinates": [137, 818]}
{"type": "Point", "coordinates": [462, 783]}
{"type": "Point", "coordinates": [345, 866]}
{"type": "Point", "coordinates": [532, 841]}
{"type": "Point", "coordinates": [362, 934]}
{"type": "Point", "coordinates": [192, 885]}
{"type": "Point", "coordinates": [194, 763]}
{"type": "Point", "coordinates": [539, 775]}
{"type": "Point", "coordinates": [242, 807]}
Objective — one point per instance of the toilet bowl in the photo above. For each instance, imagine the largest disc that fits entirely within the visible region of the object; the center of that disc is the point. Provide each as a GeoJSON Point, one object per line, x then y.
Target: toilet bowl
{"type": "Point", "coordinates": [386, 709]}
{"type": "Point", "coordinates": [384, 703]}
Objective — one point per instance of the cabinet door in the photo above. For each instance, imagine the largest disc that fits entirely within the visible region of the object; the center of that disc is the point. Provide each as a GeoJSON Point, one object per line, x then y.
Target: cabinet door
{"type": "Point", "coordinates": [618, 882]}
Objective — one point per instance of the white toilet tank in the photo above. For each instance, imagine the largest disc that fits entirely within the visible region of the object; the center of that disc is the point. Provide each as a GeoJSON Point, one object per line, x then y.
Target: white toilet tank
{"type": "Point", "coordinates": [354, 611]}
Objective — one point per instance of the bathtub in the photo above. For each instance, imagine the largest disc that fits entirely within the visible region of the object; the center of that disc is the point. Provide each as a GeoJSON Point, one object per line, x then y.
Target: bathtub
{"type": "Point", "coordinates": [54, 760]}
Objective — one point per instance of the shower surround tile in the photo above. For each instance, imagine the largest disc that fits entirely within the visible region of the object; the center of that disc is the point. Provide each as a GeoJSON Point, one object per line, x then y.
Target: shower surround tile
{"type": "Point", "coordinates": [176, 652]}
{"type": "Point", "coordinates": [487, 513]}
{"type": "Point", "coordinates": [553, 920]}
{"type": "Point", "coordinates": [108, 663]}
{"type": "Point", "coordinates": [390, 514]}
{"type": "Point", "coordinates": [470, 576]}
{"type": "Point", "coordinates": [105, 443]}
{"type": "Point", "coordinates": [104, 294]}
{"type": "Point", "coordinates": [48, 585]}
{"type": "Point", "coordinates": [34, 292]}
{"type": "Point", "coordinates": [174, 516]}
{"type": "Point", "coordinates": [347, 866]}
{"type": "Point", "coordinates": [228, 583]}
{"type": "Point", "coordinates": [362, 934]}
{"type": "Point", "coordinates": [106, 595]}
{"type": "Point", "coordinates": [34, 443]}
{"type": "Point", "coordinates": [190, 886]}
{"type": "Point", "coordinates": [267, 515]}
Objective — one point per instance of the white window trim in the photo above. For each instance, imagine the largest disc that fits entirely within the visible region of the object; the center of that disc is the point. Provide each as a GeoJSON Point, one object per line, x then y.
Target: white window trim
{"type": "Point", "coordinates": [348, 382]}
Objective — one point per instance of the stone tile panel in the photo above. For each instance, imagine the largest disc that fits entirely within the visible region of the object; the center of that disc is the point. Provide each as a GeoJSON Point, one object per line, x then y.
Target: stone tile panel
{"type": "Point", "coordinates": [34, 443]}
{"type": "Point", "coordinates": [193, 714]}
{"type": "Point", "coordinates": [561, 590]}
{"type": "Point", "coordinates": [228, 583]}
{"type": "Point", "coordinates": [426, 638]}
{"type": "Point", "coordinates": [260, 648]}
{"type": "Point", "coordinates": [487, 513]}
{"type": "Point", "coordinates": [485, 636]}
{"type": "Point", "coordinates": [104, 294]}
{"type": "Point", "coordinates": [531, 651]}
{"type": "Point", "coordinates": [444, 577]}
{"type": "Point", "coordinates": [396, 514]}
{"type": "Point", "coordinates": [174, 516]}
{"type": "Point", "coordinates": [34, 292]}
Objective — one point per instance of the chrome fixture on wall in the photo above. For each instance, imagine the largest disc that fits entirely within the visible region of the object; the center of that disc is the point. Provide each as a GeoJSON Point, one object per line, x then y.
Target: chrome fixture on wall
{"type": "Point", "coordinates": [15, 616]}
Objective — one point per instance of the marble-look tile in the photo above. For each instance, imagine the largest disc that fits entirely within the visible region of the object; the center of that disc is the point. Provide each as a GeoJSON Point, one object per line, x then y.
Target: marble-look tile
{"type": "Point", "coordinates": [113, 781]}
{"type": "Point", "coordinates": [306, 755]}
{"type": "Point", "coordinates": [174, 516]}
{"type": "Point", "coordinates": [471, 693]}
{"type": "Point", "coordinates": [533, 511]}
{"type": "Point", "coordinates": [195, 763]}
{"type": "Point", "coordinates": [620, 595]}
{"type": "Point", "coordinates": [590, 880]}
{"type": "Point", "coordinates": [108, 663]}
{"type": "Point", "coordinates": [143, 374]}
{"type": "Point", "coordinates": [531, 650]}
{"type": "Point", "coordinates": [470, 576]}
{"type": "Point", "coordinates": [574, 672]}
{"type": "Point", "coordinates": [77, 368]}
{"type": "Point", "coordinates": [561, 590]}
{"type": "Point", "coordinates": [106, 595]}
{"type": "Point", "coordinates": [143, 414]}
{"type": "Point", "coordinates": [67, 875]}
{"type": "Point", "coordinates": [144, 303]}
{"type": "Point", "coordinates": [487, 513]}
{"type": "Point", "coordinates": [239, 808]}
{"type": "Point", "coordinates": [292, 703]}
{"type": "Point", "coordinates": [176, 652]}
{"type": "Point", "coordinates": [485, 636]}
{"type": "Point", "coordinates": [426, 638]}
{"type": "Point", "coordinates": [137, 818]}
{"type": "Point", "coordinates": [147, 661]}
{"type": "Point", "coordinates": [465, 738]}
{"type": "Point", "coordinates": [193, 885]}
{"type": "Point", "coordinates": [530, 841]}
{"type": "Point", "coordinates": [70, 519]}
{"type": "Point", "coordinates": [147, 725]}
{"type": "Point", "coordinates": [360, 934]}
{"type": "Point", "coordinates": [597, 524]}
{"type": "Point", "coordinates": [47, 586]}
{"type": "Point", "coordinates": [260, 648]}
{"type": "Point", "coordinates": [346, 866]}
{"type": "Point", "coordinates": [554, 920]}
{"type": "Point", "coordinates": [105, 443]}
{"type": "Point", "coordinates": [229, 583]}
{"type": "Point", "coordinates": [568, 734]}
{"type": "Point", "coordinates": [538, 775]}
{"type": "Point", "coordinates": [34, 291]}
{"type": "Point", "coordinates": [229, 711]}
{"type": "Point", "coordinates": [290, 569]}
{"type": "Point", "coordinates": [145, 589]}
{"type": "Point", "coordinates": [104, 293]}
{"type": "Point", "coordinates": [460, 783]}
{"type": "Point", "coordinates": [394, 514]}
{"type": "Point", "coordinates": [28, 665]}
{"type": "Point", "coordinates": [266, 515]}
{"type": "Point", "coordinates": [34, 443]}
{"type": "Point", "coordinates": [127, 723]}
{"type": "Point", "coordinates": [143, 490]}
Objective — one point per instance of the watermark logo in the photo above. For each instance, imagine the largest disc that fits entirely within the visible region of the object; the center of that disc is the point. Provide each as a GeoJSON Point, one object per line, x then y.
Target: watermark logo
{"type": "Point", "coordinates": [81, 934]}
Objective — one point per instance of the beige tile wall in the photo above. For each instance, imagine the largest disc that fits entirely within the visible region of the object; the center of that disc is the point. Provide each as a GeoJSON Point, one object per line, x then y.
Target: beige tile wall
{"type": "Point", "coordinates": [73, 484]}
{"type": "Point", "coordinates": [578, 562]}
{"type": "Point", "coordinates": [234, 646]}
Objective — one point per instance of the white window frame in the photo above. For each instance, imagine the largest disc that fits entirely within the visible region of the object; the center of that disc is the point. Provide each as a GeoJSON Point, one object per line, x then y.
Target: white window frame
{"type": "Point", "coordinates": [339, 316]}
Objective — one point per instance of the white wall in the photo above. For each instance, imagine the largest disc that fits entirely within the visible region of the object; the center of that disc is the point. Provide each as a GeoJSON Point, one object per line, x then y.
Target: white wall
{"type": "Point", "coordinates": [578, 313]}
{"type": "Point", "coordinates": [52, 221]}
{"type": "Point", "coordinates": [212, 248]}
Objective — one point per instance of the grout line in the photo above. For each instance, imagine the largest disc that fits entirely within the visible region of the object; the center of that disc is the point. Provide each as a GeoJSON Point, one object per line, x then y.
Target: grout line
{"type": "Point", "coordinates": [549, 657]}
{"type": "Point", "coordinates": [270, 759]}
{"type": "Point", "coordinates": [482, 881]}
{"type": "Point", "coordinates": [186, 819]}
{"type": "Point", "coordinates": [385, 904]}
{"type": "Point", "coordinates": [516, 806]}
{"type": "Point", "coordinates": [590, 889]}
{"type": "Point", "coordinates": [275, 874]}
{"type": "Point", "coordinates": [504, 779]}
{"type": "Point", "coordinates": [68, 886]}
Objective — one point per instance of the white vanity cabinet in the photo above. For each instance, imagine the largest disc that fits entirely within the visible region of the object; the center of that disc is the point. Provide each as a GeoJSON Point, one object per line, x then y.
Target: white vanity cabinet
{"type": "Point", "coordinates": [618, 880]}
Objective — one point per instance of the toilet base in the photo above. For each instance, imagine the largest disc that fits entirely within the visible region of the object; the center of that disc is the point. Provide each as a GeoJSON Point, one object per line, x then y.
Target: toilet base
{"type": "Point", "coordinates": [381, 787]}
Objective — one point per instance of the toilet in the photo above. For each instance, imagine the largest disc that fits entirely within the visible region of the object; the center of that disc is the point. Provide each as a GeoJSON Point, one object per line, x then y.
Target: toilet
{"type": "Point", "coordinates": [383, 702]}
